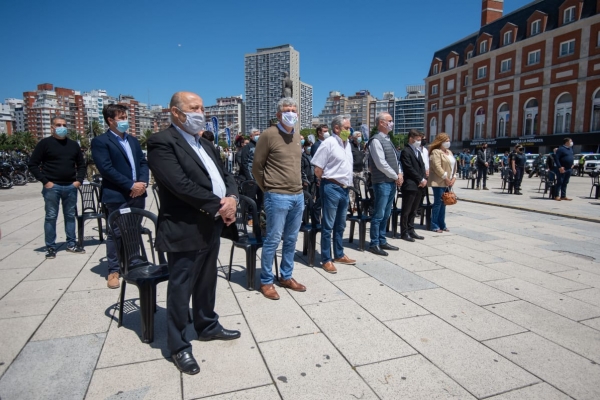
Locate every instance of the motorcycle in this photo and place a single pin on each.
(22, 168)
(6, 174)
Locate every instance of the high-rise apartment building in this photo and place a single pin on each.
(133, 113)
(336, 104)
(14, 107)
(357, 107)
(306, 105)
(94, 102)
(409, 111)
(230, 112)
(264, 71)
(6, 120)
(378, 106)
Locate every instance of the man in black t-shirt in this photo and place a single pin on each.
(63, 173)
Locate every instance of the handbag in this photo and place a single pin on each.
(449, 197)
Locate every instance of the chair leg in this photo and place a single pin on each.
(250, 267)
(276, 266)
(147, 290)
(362, 233)
(80, 223)
(394, 223)
(312, 248)
(121, 303)
(305, 241)
(100, 230)
(230, 262)
(428, 218)
(351, 238)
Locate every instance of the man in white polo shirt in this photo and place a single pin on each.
(333, 166)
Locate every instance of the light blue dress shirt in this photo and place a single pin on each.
(125, 145)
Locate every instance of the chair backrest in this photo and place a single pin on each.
(363, 188)
(249, 188)
(97, 178)
(131, 251)
(90, 198)
(595, 178)
(307, 214)
(155, 193)
(247, 208)
(359, 204)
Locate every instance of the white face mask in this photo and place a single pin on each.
(417, 143)
(326, 135)
(194, 122)
(446, 145)
(289, 118)
(390, 126)
(571, 144)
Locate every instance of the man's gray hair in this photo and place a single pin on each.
(254, 130)
(338, 120)
(57, 117)
(286, 102)
(380, 116)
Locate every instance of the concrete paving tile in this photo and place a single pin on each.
(471, 243)
(411, 262)
(60, 267)
(11, 278)
(585, 277)
(32, 298)
(157, 379)
(592, 323)
(467, 288)
(531, 261)
(360, 337)
(549, 281)
(310, 367)
(465, 253)
(576, 337)
(590, 296)
(473, 234)
(378, 299)
(418, 249)
(394, 276)
(265, 316)
(22, 258)
(318, 289)
(239, 360)
(268, 392)
(454, 353)
(539, 391)
(559, 367)
(414, 377)
(79, 313)
(14, 334)
(467, 268)
(53, 369)
(577, 262)
(548, 299)
(463, 315)
(345, 272)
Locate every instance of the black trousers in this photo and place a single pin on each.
(482, 170)
(192, 274)
(519, 178)
(411, 201)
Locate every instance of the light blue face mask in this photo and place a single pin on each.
(302, 142)
(307, 151)
(61, 131)
(358, 139)
(123, 126)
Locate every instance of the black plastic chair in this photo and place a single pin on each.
(550, 183)
(543, 174)
(357, 215)
(91, 208)
(310, 227)
(249, 188)
(366, 194)
(134, 265)
(507, 180)
(472, 176)
(155, 192)
(425, 210)
(97, 178)
(396, 212)
(595, 184)
(249, 241)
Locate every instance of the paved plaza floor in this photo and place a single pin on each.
(505, 306)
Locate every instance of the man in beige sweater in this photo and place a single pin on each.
(276, 168)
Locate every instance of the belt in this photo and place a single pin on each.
(336, 182)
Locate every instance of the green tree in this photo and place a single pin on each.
(308, 131)
(93, 130)
(21, 140)
(143, 138)
(82, 140)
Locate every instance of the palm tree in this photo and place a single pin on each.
(82, 140)
(144, 138)
(95, 130)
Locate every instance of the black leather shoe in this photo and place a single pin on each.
(387, 246)
(186, 363)
(224, 334)
(407, 237)
(415, 236)
(377, 250)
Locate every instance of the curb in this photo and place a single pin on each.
(531, 210)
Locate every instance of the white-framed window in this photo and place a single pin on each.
(596, 112)
(503, 118)
(567, 48)
(434, 89)
(481, 72)
(479, 123)
(536, 27)
(531, 118)
(563, 113)
(432, 129)
(508, 37)
(598, 40)
(483, 48)
(434, 107)
(451, 63)
(466, 82)
(449, 125)
(450, 84)
(534, 57)
(569, 15)
(435, 69)
(506, 65)
(470, 53)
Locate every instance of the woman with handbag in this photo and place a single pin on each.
(442, 168)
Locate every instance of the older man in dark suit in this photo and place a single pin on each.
(198, 201)
(414, 185)
(124, 169)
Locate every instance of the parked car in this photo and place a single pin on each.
(575, 169)
(591, 163)
(529, 159)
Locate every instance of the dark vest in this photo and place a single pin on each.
(390, 156)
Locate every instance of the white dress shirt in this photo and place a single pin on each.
(425, 155)
(379, 157)
(334, 157)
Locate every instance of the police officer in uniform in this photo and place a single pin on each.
(517, 165)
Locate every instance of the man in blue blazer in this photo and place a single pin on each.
(124, 169)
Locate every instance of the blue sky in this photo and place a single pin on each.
(151, 48)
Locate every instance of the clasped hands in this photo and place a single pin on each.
(138, 189)
(228, 210)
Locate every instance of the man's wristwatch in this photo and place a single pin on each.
(237, 201)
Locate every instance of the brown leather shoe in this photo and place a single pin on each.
(329, 267)
(566, 199)
(557, 198)
(113, 281)
(269, 291)
(345, 260)
(292, 284)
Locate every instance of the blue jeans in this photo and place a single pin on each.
(438, 210)
(335, 209)
(562, 180)
(52, 199)
(284, 217)
(384, 197)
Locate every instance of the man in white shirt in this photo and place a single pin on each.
(333, 166)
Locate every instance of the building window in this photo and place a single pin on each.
(508, 38)
(432, 129)
(562, 115)
(569, 15)
(451, 63)
(434, 89)
(503, 117)
(596, 112)
(481, 72)
(435, 69)
(466, 82)
(534, 57)
(567, 48)
(479, 123)
(598, 40)
(531, 118)
(535, 27)
(483, 47)
(506, 65)
(434, 107)
(450, 84)
(449, 125)
(470, 53)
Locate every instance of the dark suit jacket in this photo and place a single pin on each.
(186, 219)
(481, 159)
(113, 164)
(414, 169)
